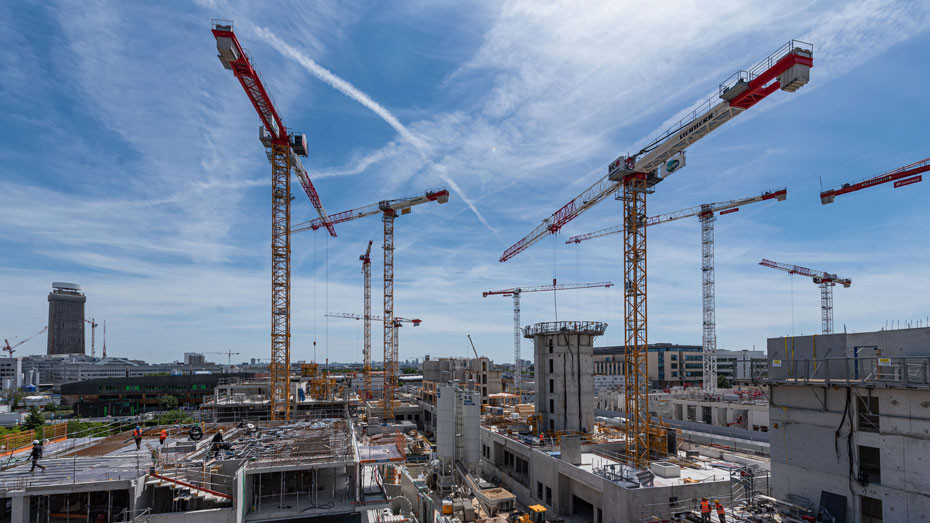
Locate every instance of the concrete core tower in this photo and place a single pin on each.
(564, 373)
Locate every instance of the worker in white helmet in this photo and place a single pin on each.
(36, 455)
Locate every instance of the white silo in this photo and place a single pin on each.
(445, 423)
(471, 428)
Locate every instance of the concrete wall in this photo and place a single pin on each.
(810, 438)
(565, 395)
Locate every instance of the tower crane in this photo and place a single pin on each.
(635, 176)
(398, 323)
(366, 352)
(9, 348)
(389, 210)
(706, 213)
(515, 293)
(229, 354)
(901, 177)
(824, 280)
(93, 330)
(284, 151)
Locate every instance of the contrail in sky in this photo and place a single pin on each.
(354, 93)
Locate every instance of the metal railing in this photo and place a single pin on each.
(595, 328)
(900, 372)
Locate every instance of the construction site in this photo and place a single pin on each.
(828, 427)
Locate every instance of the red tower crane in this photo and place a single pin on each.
(636, 175)
(901, 177)
(825, 280)
(93, 331)
(284, 151)
(515, 293)
(9, 348)
(389, 210)
(706, 213)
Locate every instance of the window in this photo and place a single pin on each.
(550, 346)
(551, 425)
(551, 386)
(548, 496)
(870, 462)
(871, 509)
(551, 405)
(539, 491)
(484, 366)
(550, 365)
(484, 379)
(868, 419)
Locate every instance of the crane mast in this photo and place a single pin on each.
(636, 175)
(824, 280)
(706, 214)
(515, 293)
(283, 151)
(389, 210)
(366, 356)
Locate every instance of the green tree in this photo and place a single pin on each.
(168, 402)
(35, 420)
(722, 382)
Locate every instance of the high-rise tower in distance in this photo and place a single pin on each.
(66, 319)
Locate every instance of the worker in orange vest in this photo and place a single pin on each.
(542, 439)
(705, 510)
(720, 511)
(162, 437)
(137, 435)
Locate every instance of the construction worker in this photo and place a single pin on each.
(163, 436)
(720, 512)
(137, 435)
(217, 443)
(705, 511)
(36, 455)
(542, 439)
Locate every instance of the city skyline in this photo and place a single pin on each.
(151, 191)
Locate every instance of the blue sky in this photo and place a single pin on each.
(129, 163)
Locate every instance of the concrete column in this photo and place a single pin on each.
(20, 512)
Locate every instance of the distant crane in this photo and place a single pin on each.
(389, 210)
(825, 280)
(398, 323)
(706, 213)
(93, 331)
(9, 348)
(515, 293)
(473, 349)
(104, 339)
(901, 177)
(284, 151)
(229, 354)
(636, 175)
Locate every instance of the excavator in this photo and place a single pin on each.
(537, 514)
